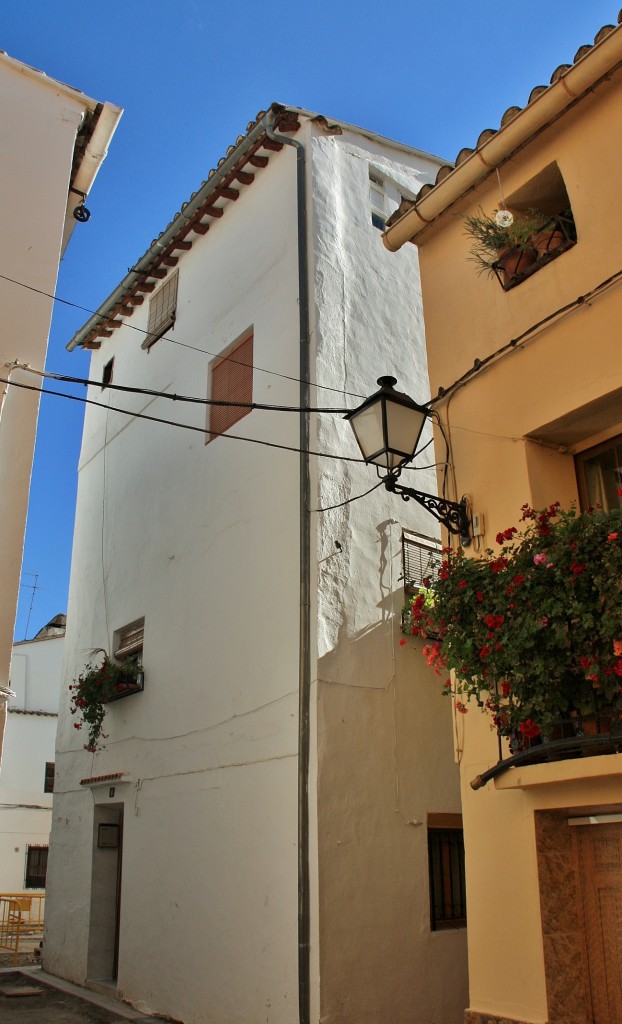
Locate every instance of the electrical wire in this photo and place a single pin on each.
(356, 497)
(200, 430)
(481, 364)
(165, 337)
(178, 398)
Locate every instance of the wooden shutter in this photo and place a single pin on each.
(600, 864)
(162, 308)
(232, 381)
(130, 640)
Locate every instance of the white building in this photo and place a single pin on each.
(54, 139)
(274, 786)
(27, 778)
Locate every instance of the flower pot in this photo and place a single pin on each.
(548, 241)
(512, 262)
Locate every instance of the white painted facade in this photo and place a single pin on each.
(203, 540)
(53, 138)
(29, 744)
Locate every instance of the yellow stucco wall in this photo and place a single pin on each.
(563, 366)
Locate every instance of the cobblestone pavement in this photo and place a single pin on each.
(29, 996)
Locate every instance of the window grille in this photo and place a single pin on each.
(231, 381)
(447, 879)
(162, 309)
(421, 560)
(36, 867)
(48, 782)
(129, 640)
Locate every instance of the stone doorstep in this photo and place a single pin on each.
(104, 1002)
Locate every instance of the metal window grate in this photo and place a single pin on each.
(162, 308)
(421, 559)
(232, 381)
(36, 867)
(48, 783)
(447, 880)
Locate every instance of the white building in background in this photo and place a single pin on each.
(27, 777)
(252, 842)
(54, 139)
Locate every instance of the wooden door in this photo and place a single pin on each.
(600, 866)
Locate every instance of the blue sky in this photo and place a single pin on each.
(190, 75)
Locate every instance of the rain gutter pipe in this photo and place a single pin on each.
(573, 85)
(304, 646)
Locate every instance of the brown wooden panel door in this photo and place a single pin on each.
(600, 863)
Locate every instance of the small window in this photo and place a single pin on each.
(231, 381)
(599, 472)
(36, 867)
(162, 310)
(48, 782)
(378, 201)
(128, 641)
(107, 374)
(446, 865)
(421, 559)
(546, 197)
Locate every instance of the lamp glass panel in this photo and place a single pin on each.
(367, 425)
(404, 426)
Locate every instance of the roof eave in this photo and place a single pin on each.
(563, 93)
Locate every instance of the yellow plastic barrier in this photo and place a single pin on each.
(21, 921)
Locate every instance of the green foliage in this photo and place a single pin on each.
(490, 239)
(533, 631)
(97, 685)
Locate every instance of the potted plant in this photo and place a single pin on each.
(99, 684)
(533, 630)
(503, 245)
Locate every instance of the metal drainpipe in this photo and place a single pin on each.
(304, 663)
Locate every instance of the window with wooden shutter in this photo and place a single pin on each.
(231, 381)
(129, 640)
(446, 866)
(162, 309)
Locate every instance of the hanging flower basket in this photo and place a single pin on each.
(532, 631)
(97, 686)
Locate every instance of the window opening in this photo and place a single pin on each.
(48, 782)
(107, 373)
(378, 201)
(544, 197)
(162, 311)
(447, 877)
(599, 474)
(231, 380)
(421, 559)
(128, 641)
(36, 867)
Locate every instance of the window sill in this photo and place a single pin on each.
(601, 766)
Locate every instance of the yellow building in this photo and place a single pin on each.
(535, 416)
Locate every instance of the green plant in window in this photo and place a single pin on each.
(533, 630)
(96, 686)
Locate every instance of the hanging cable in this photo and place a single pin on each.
(481, 364)
(356, 497)
(173, 397)
(165, 337)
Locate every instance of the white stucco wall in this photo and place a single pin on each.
(384, 739)
(203, 541)
(29, 742)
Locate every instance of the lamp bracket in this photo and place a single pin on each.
(453, 515)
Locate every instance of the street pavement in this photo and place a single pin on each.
(30, 996)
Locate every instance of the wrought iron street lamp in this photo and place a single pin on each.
(388, 426)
